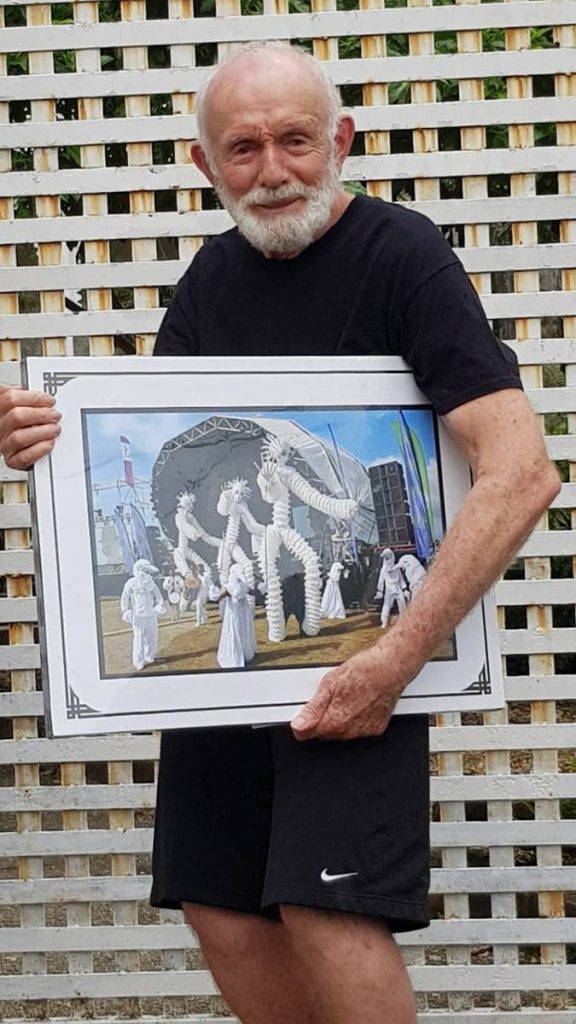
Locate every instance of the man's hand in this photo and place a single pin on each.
(29, 426)
(355, 699)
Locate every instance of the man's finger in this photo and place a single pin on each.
(19, 443)
(305, 722)
(13, 395)
(26, 457)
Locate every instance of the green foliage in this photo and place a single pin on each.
(542, 38)
(17, 64)
(493, 39)
(109, 10)
(251, 7)
(445, 42)
(545, 134)
(24, 207)
(15, 16)
(62, 14)
(447, 90)
(495, 89)
(399, 92)
(349, 47)
(64, 62)
(397, 45)
(357, 188)
(69, 158)
(22, 159)
(497, 136)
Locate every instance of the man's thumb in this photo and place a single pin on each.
(309, 716)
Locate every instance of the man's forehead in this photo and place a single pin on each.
(252, 85)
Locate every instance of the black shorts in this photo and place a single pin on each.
(248, 819)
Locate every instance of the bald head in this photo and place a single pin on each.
(256, 66)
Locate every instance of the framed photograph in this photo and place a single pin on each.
(213, 535)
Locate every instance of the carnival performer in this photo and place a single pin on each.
(332, 606)
(414, 573)
(141, 604)
(190, 531)
(202, 596)
(390, 586)
(173, 585)
(277, 481)
(233, 505)
(237, 643)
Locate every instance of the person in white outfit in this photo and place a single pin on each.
(202, 596)
(173, 585)
(390, 586)
(237, 637)
(141, 603)
(414, 573)
(332, 606)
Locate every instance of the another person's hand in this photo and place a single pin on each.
(29, 426)
(354, 699)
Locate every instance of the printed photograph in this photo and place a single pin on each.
(257, 538)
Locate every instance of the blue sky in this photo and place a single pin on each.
(367, 434)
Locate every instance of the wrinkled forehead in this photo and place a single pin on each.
(257, 87)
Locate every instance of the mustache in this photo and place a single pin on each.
(261, 196)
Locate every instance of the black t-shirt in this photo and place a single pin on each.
(381, 281)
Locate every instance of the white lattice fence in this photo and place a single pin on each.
(465, 111)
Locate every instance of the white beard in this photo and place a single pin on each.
(285, 233)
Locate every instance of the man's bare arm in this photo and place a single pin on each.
(514, 483)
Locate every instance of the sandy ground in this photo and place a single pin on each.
(183, 647)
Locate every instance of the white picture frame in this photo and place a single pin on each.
(186, 424)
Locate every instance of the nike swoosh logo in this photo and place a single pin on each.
(336, 878)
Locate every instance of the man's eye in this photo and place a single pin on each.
(241, 148)
(295, 142)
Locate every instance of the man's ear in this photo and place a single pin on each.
(201, 161)
(344, 137)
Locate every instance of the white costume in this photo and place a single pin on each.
(390, 585)
(332, 606)
(414, 572)
(237, 638)
(201, 598)
(186, 558)
(277, 480)
(173, 585)
(141, 603)
(232, 504)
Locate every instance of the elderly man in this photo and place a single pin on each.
(294, 858)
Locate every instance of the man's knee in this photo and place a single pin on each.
(224, 932)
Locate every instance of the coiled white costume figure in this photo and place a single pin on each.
(190, 530)
(277, 480)
(390, 585)
(233, 504)
(141, 603)
(332, 606)
(414, 572)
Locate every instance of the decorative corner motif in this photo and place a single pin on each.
(482, 685)
(53, 381)
(75, 709)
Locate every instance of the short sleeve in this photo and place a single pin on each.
(178, 333)
(446, 339)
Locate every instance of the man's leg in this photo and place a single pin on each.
(254, 965)
(353, 965)
(314, 967)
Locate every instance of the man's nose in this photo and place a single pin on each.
(273, 172)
